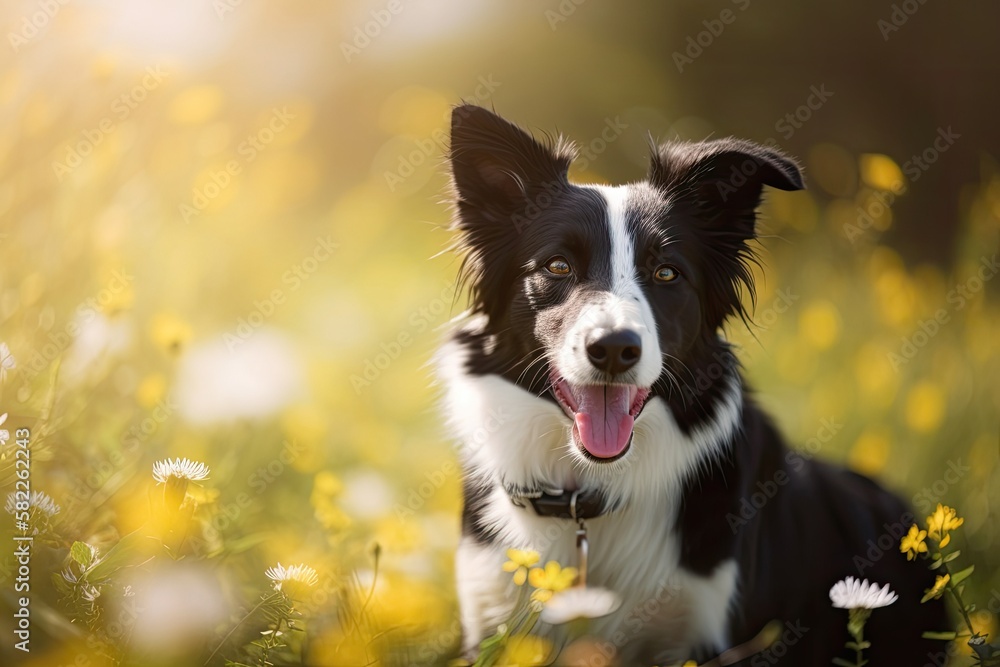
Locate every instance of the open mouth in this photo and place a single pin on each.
(603, 415)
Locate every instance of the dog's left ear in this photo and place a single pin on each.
(720, 184)
(724, 178)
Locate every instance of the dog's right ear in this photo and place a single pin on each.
(496, 166)
(498, 170)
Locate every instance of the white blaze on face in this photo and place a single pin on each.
(623, 307)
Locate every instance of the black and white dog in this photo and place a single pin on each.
(572, 381)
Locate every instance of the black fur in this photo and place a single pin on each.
(516, 207)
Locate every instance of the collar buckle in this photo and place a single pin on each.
(575, 505)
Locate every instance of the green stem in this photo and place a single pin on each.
(271, 642)
(518, 614)
(856, 628)
(958, 599)
(263, 601)
(529, 624)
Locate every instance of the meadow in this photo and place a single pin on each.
(218, 305)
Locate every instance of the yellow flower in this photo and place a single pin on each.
(913, 543)
(938, 590)
(169, 332)
(552, 579)
(520, 561)
(941, 522)
(528, 651)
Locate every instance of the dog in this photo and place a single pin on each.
(589, 381)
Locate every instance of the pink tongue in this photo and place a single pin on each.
(603, 422)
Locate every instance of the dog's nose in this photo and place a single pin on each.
(614, 352)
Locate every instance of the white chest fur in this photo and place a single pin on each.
(508, 435)
(666, 612)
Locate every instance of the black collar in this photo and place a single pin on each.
(574, 505)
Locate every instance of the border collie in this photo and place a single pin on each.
(589, 380)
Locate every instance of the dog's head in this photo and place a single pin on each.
(597, 297)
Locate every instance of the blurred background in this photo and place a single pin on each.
(220, 227)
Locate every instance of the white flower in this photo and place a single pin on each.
(180, 469)
(4, 433)
(7, 361)
(578, 602)
(853, 594)
(231, 378)
(98, 342)
(36, 501)
(300, 573)
(175, 608)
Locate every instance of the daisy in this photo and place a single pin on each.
(176, 475)
(302, 574)
(519, 562)
(580, 602)
(853, 594)
(38, 501)
(179, 469)
(860, 598)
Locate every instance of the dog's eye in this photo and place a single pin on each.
(666, 274)
(558, 266)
